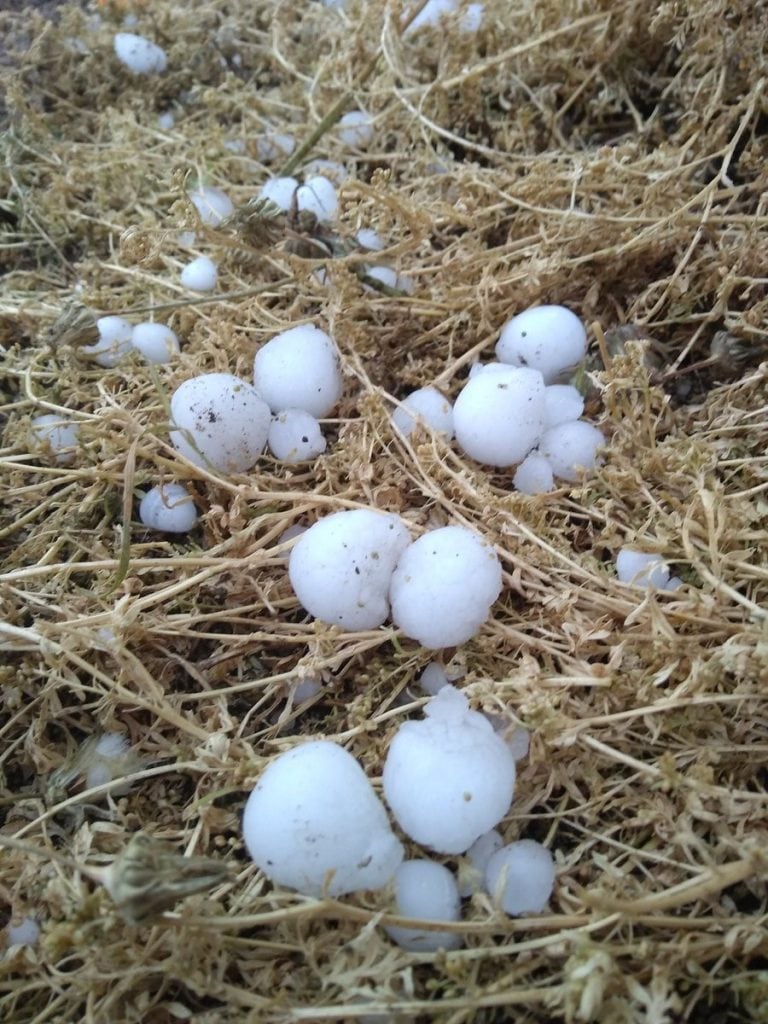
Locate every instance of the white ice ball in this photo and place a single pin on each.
(356, 129)
(331, 169)
(107, 760)
(318, 196)
(341, 568)
(520, 877)
(642, 569)
(114, 341)
(563, 403)
(444, 585)
(275, 146)
(571, 448)
(427, 405)
(156, 342)
(295, 436)
(433, 679)
(166, 120)
(499, 415)
(168, 507)
(534, 475)
(221, 422)
(200, 275)
(25, 933)
(389, 278)
(212, 205)
(280, 191)
(449, 778)
(427, 891)
(59, 433)
(313, 823)
(138, 54)
(550, 339)
(478, 855)
(299, 369)
(431, 14)
(370, 239)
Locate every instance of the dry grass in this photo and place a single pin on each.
(613, 160)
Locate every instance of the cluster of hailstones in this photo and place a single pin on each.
(314, 823)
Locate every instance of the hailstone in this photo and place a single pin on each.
(499, 415)
(427, 891)
(299, 369)
(520, 877)
(550, 339)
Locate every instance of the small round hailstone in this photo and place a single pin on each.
(427, 405)
(212, 205)
(550, 339)
(370, 239)
(571, 448)
(280, 191)
(520, 877)
(443, 587)
(313, 823)
(674, 583)
(389, 278)
(200, 275)
(295, 436)
(274, 146)
(24, 933)
(472, 18)
(433, 679)
(563, 403)
(114, 341)
(318, 196)
(107, 760)
(166, 120)
(341, 568)
(168, 507)
(156, 342)
(499, 416)
(356, 129)
(449, 778)
(642, 568)
(221, 422)
(139, 55)
(534, 475)
(431, 14)
(427, 891)
(478, 855)
(299, 369)
(305, 689)
(59, 433)
(331, 169)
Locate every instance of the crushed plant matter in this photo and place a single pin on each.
(608, 158)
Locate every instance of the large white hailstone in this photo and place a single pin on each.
(114, 341)
(478, 855)
(571, 448)
(156, 342)
(550, 339)
(642, 569)
(221, 422)
(299, 369)
(295, 436)
(449, 778)
(443, 587)
(356, 129)
(200, 275)
(520, 877)
(427, 891)
(138, 54)
(212, 205)
(534, 475)
(59, 433)
(168, 507)
(318, 196)
(427, 405)
(313, 823)
(563, 403)
(341, 568)
(499, 416)
(280, 191)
